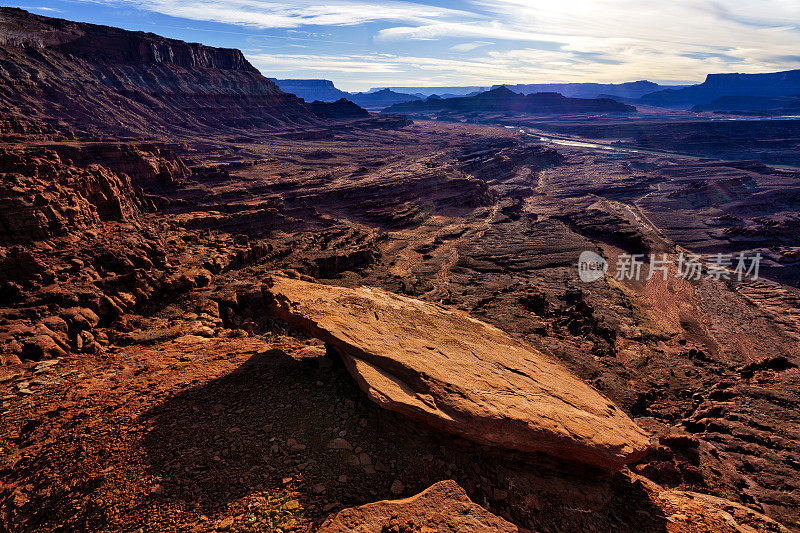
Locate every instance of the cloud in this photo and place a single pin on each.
(469, 47)
(617, 40)
(41, 8)
(484, 41)
(432, 68)
(761, 13)
(518, 66)
(708, 55)
(469, 29)
(293, 14)
(671, 25)
(277, 63)
(787, 58)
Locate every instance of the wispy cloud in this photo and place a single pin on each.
(41, 8)
(294, 14)
(278, 63)
(470, 29)
(485, 41)
(626, 39)
(469, 47)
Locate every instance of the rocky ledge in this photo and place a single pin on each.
(444, 507)
(458, 374)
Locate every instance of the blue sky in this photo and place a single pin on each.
(363, 43)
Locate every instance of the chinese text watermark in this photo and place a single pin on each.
(688, 266)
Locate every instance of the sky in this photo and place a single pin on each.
(360, 44)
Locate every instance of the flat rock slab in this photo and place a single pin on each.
(445, 368)
(442, 508)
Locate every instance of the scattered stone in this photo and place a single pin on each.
(43, 366)
(297, 448)
(225, 524)
(499, 495)
(397, 487)
(339, 444)
(191, 339)
(202, 331)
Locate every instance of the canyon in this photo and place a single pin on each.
(224, 308)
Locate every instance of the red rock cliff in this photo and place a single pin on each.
(65, 79)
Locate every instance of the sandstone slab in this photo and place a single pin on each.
(444, 508)
(443, 367)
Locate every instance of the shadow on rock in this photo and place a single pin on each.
(277, 429)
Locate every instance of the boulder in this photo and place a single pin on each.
(40, 347)
(445, 368)
(444, 507)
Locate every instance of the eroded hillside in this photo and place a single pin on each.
(298, 318)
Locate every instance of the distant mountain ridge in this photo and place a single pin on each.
(633, 89)
(424, 92)
(378, 98)
(325, 91)
(311, 89)
(503, 99)
(785, 83)
(381, 99)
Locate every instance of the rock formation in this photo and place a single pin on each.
(62, 79)
(444, 92)
(687, 511)
(444, 508)
(504, 100)
(310, 90)
(785, 83)
(459, 374)
(51, 190)
(633, 89)
(381, 99)
(324, 91)
(341, 109)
